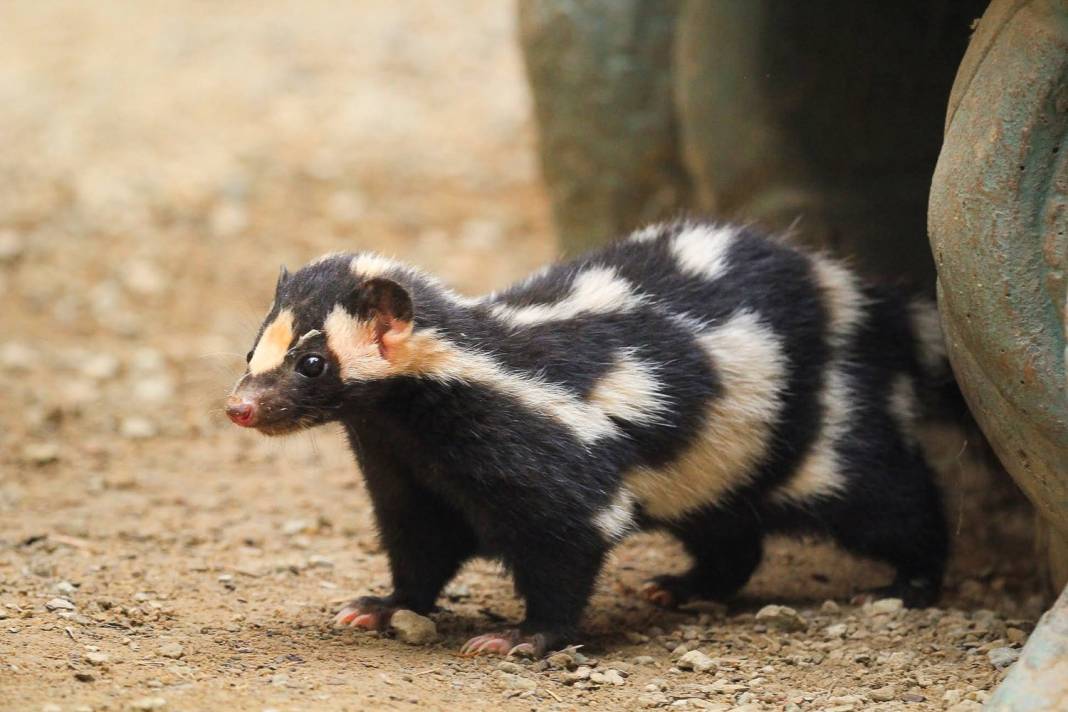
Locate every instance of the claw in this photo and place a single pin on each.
(345, 615)
(367, 621)
(364, 613)
(501, 644)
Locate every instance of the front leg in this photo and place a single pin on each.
(425, 539)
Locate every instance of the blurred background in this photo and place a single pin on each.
(160, 160)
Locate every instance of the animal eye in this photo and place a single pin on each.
(311, 366)
(248, 357)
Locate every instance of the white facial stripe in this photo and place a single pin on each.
(615, 520)
(749, 359)
(353, 343)
(630, 390)
(598, 290)
(271, 349)
(821, 473)
(930, 340)
(842, 295)
(701, 250)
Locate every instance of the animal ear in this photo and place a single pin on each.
(283, 277)
(388, 306)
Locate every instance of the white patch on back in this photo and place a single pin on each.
(904, 407)
(647, 233)
(749, 360)
(369, 265)
(844, 300)
(597, 290)
(271, 349)
(930, 341)
(701, 250)
(821, 473)
(617, 519)
(629, 390)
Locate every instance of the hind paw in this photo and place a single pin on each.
(658, 594)
(507, 643)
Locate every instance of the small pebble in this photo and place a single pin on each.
(782, 617)
(135, 427)
(510, 667)
(838, 630)
(697, 661)
(65, 588)
(171, 650)
(1002, 658)
(320, 562)
(59, 604)
(561, 661)
(883, 694)
(1016, 635)
(95, 658)
(885, 606)
(966, 706)
(40, 453)
(148, 703)
(413, 629)
(516, 682)
(912, 697)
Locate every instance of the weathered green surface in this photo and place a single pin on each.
(999, 232)
(785, 115)
(601, 75)
(1038, 681)
(758, 110)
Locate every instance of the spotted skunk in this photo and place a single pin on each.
(700, 379)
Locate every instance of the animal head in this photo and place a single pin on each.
(340, 322)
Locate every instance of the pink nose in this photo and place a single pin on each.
(242, 412)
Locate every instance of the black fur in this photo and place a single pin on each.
(458, 469)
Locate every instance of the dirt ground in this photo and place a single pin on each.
(158, 161)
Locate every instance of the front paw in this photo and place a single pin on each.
(367, 612)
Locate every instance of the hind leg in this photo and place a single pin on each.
(726, 548)
(898, 518)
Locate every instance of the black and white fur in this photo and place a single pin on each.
(696, 378)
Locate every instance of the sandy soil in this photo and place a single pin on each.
(158, 161)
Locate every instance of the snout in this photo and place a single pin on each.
(241, 410)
